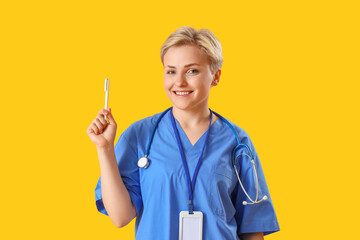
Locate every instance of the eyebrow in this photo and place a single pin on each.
(188, 65)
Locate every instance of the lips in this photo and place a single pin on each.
(182, 93)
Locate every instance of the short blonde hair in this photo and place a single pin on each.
(202, 38)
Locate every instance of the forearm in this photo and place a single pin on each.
(115, 196)
(252, 236)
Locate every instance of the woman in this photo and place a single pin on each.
(189, 140)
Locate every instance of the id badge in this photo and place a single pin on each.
(190, 225)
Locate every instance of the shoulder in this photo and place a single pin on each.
(138, 133)
(244, 138)
(142, 127)
(233, 127)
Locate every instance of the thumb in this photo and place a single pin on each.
(110, 117)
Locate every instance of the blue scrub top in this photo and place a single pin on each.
(160, 192)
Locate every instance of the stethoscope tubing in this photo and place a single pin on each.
(239, 145)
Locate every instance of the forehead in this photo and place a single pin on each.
(182, 55)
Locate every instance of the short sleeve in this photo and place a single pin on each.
(126, 158)
(259, 217)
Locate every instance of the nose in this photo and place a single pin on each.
(180, 80)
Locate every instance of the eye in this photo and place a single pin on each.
(170, 72)
(193, 71)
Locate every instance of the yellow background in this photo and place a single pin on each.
(290, 79)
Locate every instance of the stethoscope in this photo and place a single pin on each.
(144, 161)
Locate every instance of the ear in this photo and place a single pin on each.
(216, 78)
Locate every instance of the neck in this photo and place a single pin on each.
(193, 117)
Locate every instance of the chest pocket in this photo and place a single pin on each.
(223, 181)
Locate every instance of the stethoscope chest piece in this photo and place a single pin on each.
(143, 162)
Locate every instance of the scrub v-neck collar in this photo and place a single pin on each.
(186, 144)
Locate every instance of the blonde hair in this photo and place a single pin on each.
(202, 38)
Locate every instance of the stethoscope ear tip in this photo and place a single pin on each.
(246, 203)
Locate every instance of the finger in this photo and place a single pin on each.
(111, 118)
(99, 125)
(95, 128)
(90, 130)
(104, 112)
(102, 119)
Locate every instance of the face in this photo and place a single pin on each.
(187, 77)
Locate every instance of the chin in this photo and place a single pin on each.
(183, 107)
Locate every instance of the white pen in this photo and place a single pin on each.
(106, 93)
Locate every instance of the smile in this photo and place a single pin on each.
(182, 93)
